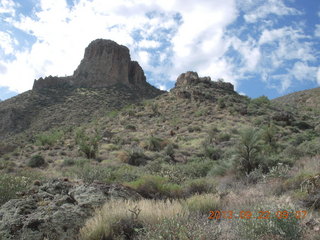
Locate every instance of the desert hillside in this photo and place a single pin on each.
(102, 154)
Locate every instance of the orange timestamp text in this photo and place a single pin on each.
(257, 214)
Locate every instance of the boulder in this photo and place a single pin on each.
(57, 209)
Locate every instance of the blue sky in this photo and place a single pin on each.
(263, 47)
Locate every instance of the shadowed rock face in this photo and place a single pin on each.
(105, 63)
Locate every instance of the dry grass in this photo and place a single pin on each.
(115, 211)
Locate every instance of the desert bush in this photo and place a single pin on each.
(255, 176)
(10, 185)
(68, 162)
(88, 143)
(88, 173)
(280, 171)
(223, 137)
(293, 152)
(112, 114)
(268, 135)
(220, 167)
(6, 148)
(156, 187)
(194, 129)
(199, 186)
(131, 127)
(135, 157)
(36, 161)
(172, 172)
(169, 150)
(49, 138)
(310, 148)
(248, 150)
(202, 204)
(196, 168)
(156, 144)
(211, 152)
(221, 103)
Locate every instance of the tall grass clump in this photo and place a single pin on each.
(123, 219)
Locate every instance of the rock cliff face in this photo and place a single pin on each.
(105, 63)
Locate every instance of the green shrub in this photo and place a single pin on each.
(156, 187)
(196, 168)
(131, 127)
(220, 167)
(248, 149)
(156, 144)
(212, 152)
(263, 100)
(223, 137)
(10, 185)
(136, 157)
(88, 173)
(194, 129)
(69, 162)
(199, 186)
(112, 114)
(310, 148)
(36, 161)
(88, 143)
(49, 138)
(221, 103)
(203, 204)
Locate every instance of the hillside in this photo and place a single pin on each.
(305, 103)
(172, 156)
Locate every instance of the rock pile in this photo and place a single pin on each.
(189, 85)
(56, 210)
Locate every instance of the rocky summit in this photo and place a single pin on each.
(105, 63)
(106, 79)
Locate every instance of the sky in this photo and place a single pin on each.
(263, 47)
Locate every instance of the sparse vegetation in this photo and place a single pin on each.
(88, 144)
(36, 161)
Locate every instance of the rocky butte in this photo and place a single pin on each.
(105, 64)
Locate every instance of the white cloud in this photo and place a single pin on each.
(317, 30)
(149, 44)
(318, 76)
(8, 7)
(143, 57)
(7, 43)
(302, 71)
(276, 7)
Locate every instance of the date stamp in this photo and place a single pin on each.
(215, 215)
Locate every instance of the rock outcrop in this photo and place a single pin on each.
(105, 63)
(56, 210)
(190, 86)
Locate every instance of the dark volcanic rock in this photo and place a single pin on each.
(105, 63)
(190, 86)
(185, 80)
(56, 210)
